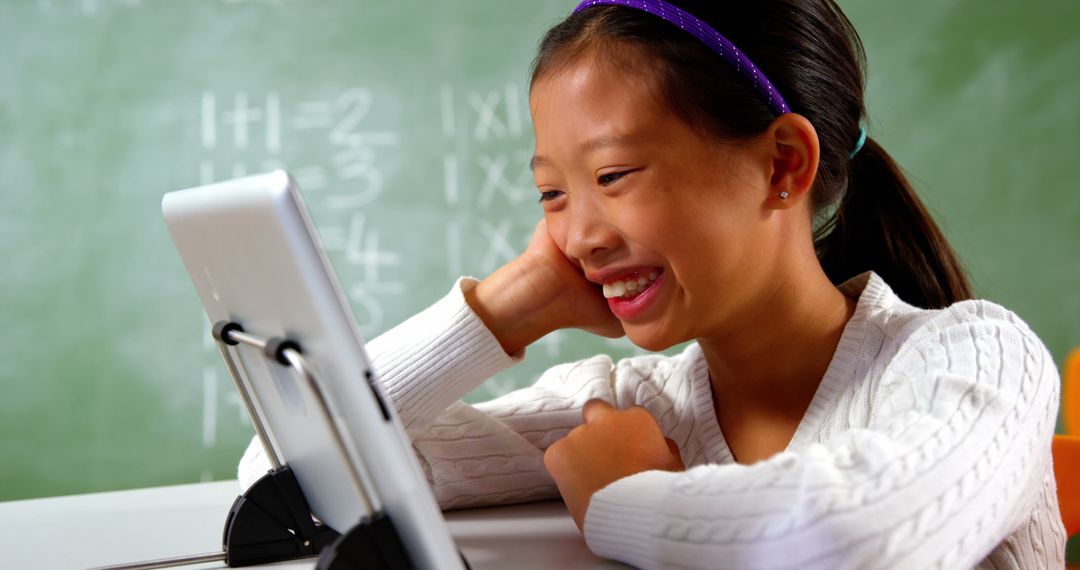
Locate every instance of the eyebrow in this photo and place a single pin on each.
(586, 147)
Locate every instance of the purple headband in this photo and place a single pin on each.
(711, 37)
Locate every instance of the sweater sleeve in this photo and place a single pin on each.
(952, 462)
(491, 453)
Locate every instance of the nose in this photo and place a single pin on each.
(590, 236)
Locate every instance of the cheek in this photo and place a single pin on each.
(650, 222)
(653, 232)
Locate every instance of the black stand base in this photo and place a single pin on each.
(373, 543)
(271, 522)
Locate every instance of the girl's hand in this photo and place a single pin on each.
(538, 292)
(610, 445)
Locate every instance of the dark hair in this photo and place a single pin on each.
(868, 215)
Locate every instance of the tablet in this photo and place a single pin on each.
(251, 251)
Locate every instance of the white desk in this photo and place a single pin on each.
(81, 531)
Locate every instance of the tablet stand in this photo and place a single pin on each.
(272, 521)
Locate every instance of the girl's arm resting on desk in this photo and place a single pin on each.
(954, 462)
(491, 453)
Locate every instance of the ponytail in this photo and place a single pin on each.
(880, 225)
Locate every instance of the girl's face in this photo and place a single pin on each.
(672, 223)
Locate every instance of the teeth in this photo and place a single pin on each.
(630, 286)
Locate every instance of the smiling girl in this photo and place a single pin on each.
(704, 177)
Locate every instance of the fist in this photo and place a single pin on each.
(610, 445)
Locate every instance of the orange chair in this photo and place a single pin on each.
(1066, 449)
(1070, 393)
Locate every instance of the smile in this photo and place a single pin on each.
(630, 297)
(631, 286)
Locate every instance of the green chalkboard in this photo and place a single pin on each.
(406, 124)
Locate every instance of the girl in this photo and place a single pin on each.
(704, 176)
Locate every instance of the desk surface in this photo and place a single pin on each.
(82, 531)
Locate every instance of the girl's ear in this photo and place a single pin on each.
(794, 153)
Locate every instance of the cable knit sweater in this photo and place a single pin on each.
(927, 444)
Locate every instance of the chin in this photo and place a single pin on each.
(650, 340)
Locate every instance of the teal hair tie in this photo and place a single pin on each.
(858, 145)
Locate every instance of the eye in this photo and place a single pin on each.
(549, 195)
(610, 178)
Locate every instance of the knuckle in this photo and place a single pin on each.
(551, 455)
(639, 413)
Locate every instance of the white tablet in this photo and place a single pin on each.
(252, 252)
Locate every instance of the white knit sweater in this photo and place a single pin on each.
(927, 444)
